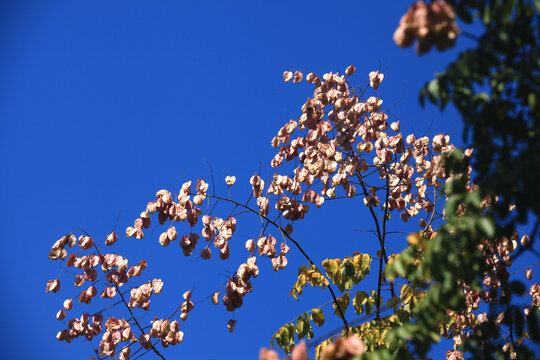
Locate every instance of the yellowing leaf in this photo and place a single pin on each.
(318, 317)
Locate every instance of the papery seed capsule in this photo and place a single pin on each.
(111, 238)
(231, 325)
(288, 229)
(287, 76)
(68, 304)
(61, 315)
(164, 239)
(230, 180)
(250, 245)
(53, 285)
(206, 253)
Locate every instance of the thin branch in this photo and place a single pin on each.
(382, 240)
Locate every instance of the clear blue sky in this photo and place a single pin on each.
(104, 103)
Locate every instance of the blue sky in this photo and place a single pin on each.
(104, 103)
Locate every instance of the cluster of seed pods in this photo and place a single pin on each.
(342, 140)
(433, 24)
(87, 326)
(116, 273)
(498, 258)
(116, 331)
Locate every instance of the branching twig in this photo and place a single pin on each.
(129, 309)
(342, 315)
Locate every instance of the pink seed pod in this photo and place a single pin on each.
(528, 274)
(231, 324)
(287, 76)
(215, 298)
(288, 229)
(108, 293)
(279, 262)
(354, 345)
(350, 70)
(61, 315)
(53, 285)
(71, 260)
(68, 304)
(79, 280)
(145, 341)
(250, 245)
(171, 233)
(187, 295)
(90, 275)
(224, 252)
(157, 285)
(300, 351)
(86, 242)
(230, 180)
(124, 355)
(375, 79)
(164, 239)
(206, 253)
(111, 238)
(62, 335)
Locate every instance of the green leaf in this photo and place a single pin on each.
(358, 302)
(474, 198)
(343, 302)
(531, 99)
(300, 326)
(331, 267)
(393, 302)
(348, 269)
(486, 15)
(399, 267)
(486, 225)
(369, 307)
(318, 317)
(433, 88)
(282, 337)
